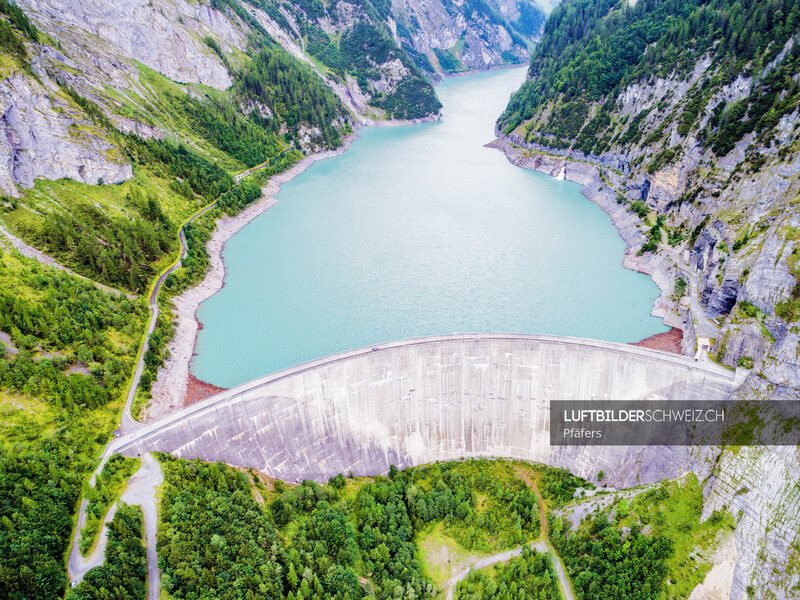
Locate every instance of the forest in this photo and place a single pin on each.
(73, 343)
(605, 563)
(40, 483)
(591, 50)
(292, 92)
(346, 539)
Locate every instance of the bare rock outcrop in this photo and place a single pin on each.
(165, 35)
(43, 135)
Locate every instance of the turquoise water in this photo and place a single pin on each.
(417, 231)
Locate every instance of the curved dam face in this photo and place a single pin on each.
(442, 398)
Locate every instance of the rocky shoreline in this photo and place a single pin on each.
(170, 391)
(662, 270)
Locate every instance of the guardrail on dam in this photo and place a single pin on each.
(418, 401)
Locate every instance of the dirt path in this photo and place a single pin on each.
(563, 580)
(541, 545)
(140, 491)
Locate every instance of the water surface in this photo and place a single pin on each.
(415, 231)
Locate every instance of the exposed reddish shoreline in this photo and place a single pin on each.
(197, 390)
(171, 389)
(669, 341)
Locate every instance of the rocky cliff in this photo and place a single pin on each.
(710, 145)
(375, 57)
(683, 122)
(459, 36)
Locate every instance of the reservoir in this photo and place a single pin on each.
(415, 231)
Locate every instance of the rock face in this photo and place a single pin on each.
(758, 485)
(43, 135)
(165, 35)
(477, 39)
(101, 49)
(735, 218)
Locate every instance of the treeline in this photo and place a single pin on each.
(364, 47)
(590, 51)
(251, 141)
(120, 251)
(606, 564)
(204, 177)
(157, 351)
(775, 95)
(531, 19)
(115, 250)
(359, 52)
(46, 379)
(123, 574)
(19, 19)
(11, 43)
(509, 514)
(558, 484)
(336, 542)
(411, 99)
(530, 576)
(195, 264)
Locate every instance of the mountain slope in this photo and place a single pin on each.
(682, 119)
(118, 120)
(696, 105)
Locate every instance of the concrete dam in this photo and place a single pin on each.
(442, 398)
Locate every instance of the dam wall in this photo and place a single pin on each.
(419, 401)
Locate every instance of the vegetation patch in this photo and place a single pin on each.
(530, 576)
(108, 487)
(123, 575)
(76, 342)
(650, 544)
(347, 539)
(443, 558)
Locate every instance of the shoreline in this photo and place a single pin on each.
(660, 270)
(170, 389)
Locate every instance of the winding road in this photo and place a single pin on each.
(141, 487)
(128, 423)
